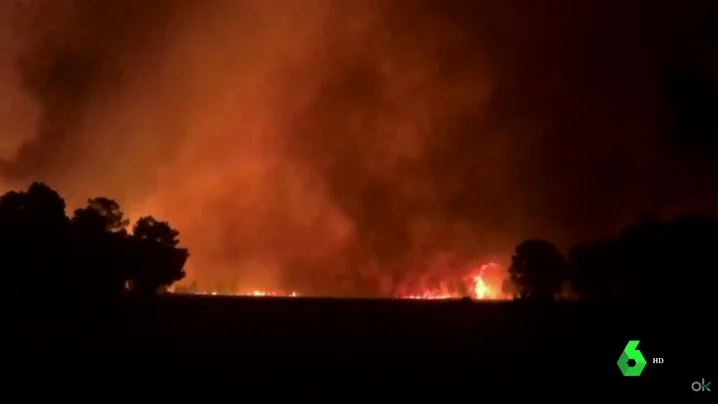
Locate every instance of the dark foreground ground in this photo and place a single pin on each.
(368, 349)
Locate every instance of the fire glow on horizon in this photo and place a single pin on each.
(473, 286)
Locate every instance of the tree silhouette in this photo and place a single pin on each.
(43, 253)
(537, 270)
(33, 229)
(100, 248)
(102, 213)
(650, 260)
(159, 262)
(149, 229)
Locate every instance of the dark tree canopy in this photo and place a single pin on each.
(159, 262)
(537, 269)
(103, 213)
(152, 230)
(44, 253)
(593, 270)
(651, 260)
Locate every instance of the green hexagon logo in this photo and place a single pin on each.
(630, 352)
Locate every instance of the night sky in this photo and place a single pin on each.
(294, 141)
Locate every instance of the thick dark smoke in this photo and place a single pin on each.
(337, 145)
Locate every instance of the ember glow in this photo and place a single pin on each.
(253, 293)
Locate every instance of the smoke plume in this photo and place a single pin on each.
(335, 146)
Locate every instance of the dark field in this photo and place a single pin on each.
(520, 350)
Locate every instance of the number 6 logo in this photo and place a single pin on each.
(630, 352)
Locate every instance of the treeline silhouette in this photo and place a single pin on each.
(651, 260)
(44, 253)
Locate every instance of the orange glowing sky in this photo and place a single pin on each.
(318, 142)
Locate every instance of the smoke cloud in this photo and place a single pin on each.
(335, 146)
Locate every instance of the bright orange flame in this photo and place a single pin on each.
(260, 293)
(479, 291)
(475, 286)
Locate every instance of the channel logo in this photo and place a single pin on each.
(630, 353)
(701, 386)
